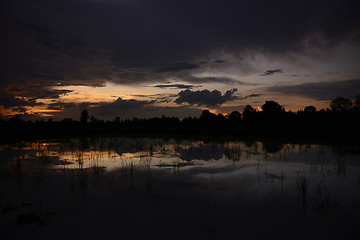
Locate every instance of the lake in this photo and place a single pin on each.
(102, 188)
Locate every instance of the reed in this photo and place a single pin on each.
(302, 185)
(322, 198)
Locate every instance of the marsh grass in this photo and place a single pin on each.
(72, 182)
(258, 170)
(322, 162)
(302, 185)
(123, 170)
(323, 202)
(111, 184)
(163, 150)
(80, 159)
(235, 152)
(44, 156)
(83, 180)
(149, 183)
(97, 173)
(341, 168)
(208, 226)
(282, 177)
(18, 163)
(356, 203)
(132, 166)
(176, 149)
(145, 158)
(151, 150)
(176, 168)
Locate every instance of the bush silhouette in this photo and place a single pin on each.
(341, 104)
(272, 107)
(310, 109)
(234, 116)
(84, 116)
(357, 103)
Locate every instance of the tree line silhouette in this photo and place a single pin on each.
(341, 120)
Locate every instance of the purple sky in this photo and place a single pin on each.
(148, 58)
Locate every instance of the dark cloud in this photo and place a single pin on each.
(27, 95)
(271, 72)
(61, 106)
(321, 90)
(24, 114)
(298, 75)
(251, 96)
(125, 109)
(8, 101)
(53, 93)
(102, 110)
(80, 39)
(33, 27)
(39, 92)
(120, 107)
(205, 97)
(199, 80)
(123, 105)
(66, 84)
(157, 97)
(179, 86)
(177, 67)
(134, 76)
(21, 110)
(87, 43)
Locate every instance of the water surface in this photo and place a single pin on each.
(138, 187)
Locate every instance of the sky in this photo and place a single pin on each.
(148, 58)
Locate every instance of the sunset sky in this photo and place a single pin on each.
(148, 58)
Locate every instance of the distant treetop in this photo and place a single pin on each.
(310, 109)
(341, 104)
(272, 107)
(84, 116)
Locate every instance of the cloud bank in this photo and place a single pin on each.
(327, 90)
(205, 97)
(46, 44)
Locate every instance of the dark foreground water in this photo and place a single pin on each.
(127, 188)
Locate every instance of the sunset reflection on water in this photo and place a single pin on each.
(219, 185)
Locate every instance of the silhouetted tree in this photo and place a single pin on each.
(234, 116)
(93, 119)
(221, 117)
(67, 120)
(248, 108)
(117, 120)
(249, 113)
(357, 103)
(341, 104)
(272, 107)
(206, 115)
(84, 116)
(310, 109)
(15, 119)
